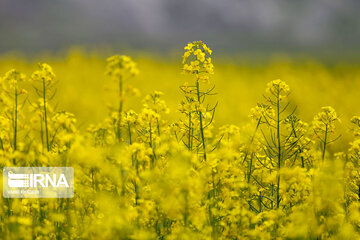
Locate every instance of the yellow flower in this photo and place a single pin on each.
(278, 88)
(121, 66)
(45, 73)
(325, 120)
(13, 77)
(196, 59)
(355, 125)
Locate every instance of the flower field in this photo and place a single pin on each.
(195, 147)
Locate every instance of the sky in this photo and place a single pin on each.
(162, 25)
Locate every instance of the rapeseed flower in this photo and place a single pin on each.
(143, 173)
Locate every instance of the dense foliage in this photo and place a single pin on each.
(139, 175)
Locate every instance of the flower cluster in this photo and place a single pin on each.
(278, 88)
(325, 120)
(355, 125)
(197, 60)
(45, 73)
(14, 77)
(143, 172)
(121, 66)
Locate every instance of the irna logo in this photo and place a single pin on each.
(38, 182)
(33, 180)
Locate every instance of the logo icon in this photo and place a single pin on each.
(38, 182)
(18, 180)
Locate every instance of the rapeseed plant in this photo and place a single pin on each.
(45, 78)
(197, 62)
(324, 125)
(121, 68)
(142, 174)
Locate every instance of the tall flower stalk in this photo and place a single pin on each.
(324, 126)
(278, 91)
(13, 79)
(120, 68)
(278, 147)
(46, 78)
(197, 63)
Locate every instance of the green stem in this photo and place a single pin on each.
(152, 145)
(158, 126)
(1, 144)
(129, 129)
(300, 150)
(247, 151)
(201, 120)
(93, 178)
(325, 142)
(250, 167)
(136, 187)
(189, 144)
(42, 134)
(150, 135)
(279, 148)
(45, 116)
(260, 202)
(121, 106)
(15, 118)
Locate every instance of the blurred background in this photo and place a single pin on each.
(230, 26)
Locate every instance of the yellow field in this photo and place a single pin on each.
(82, 85)
(177, 165)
